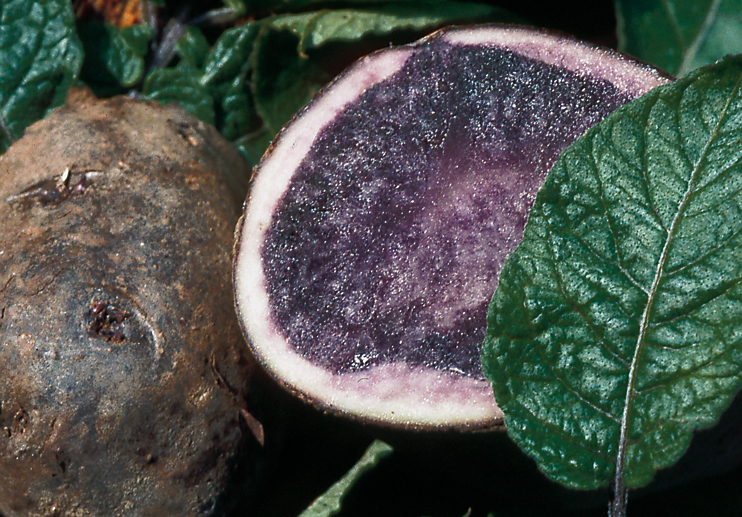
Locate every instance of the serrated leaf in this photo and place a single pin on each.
(679, 35)
(180, 85)
(113, 56)
(616, 328)
(329, 503)
(41, 57)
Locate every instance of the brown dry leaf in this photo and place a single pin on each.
(121, 13)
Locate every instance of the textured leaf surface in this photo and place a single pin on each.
(680, 35)
(230, 54)
(192, 48)
(616, 329)
(41, 56)
(182, 86)
(329, 503)
(349, 25)
(114, 56)
(282, 81)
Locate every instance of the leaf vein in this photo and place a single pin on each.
(573, 391)
(623, 439)
(565, 436)
(578, 310)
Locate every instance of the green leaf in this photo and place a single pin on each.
(236, 6)
(41, 57)
(137, 38)
(180, 85)
(113, 56)
(299, 5)
(230, 54)
(192, 47)
(237, 109)
(254, 144)
(282, 81)
(329, 503)
(679, 35)
(616, 328)
(349, 25)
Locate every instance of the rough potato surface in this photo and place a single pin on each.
(124, 372)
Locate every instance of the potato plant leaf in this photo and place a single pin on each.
(41, 56)
(180, 85)
(348, 25)
(616, 328)
(236, 108)
(114, 58)
(679, 35)
(282, 81)
(329, 503)
(230, 53)
(193, 47)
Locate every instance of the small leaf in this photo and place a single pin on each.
(329, 503)
(192, 47)
(137, 37)
(237, 109)
(113, 56)
(230, 54)
(616, 329)
(679, 35)
(41, 57)
(296, 23)
(180, 85)
(282, 81)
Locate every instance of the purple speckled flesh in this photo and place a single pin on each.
(388, 243)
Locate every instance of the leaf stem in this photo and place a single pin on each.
(620, 498)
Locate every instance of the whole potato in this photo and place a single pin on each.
(124, 373)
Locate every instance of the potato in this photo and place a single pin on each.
(124, 370)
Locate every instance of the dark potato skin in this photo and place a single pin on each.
(124, 372)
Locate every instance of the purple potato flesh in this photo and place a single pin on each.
(379, 221)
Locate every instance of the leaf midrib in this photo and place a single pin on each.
(644, 325)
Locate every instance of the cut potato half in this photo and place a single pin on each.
(379, 219)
